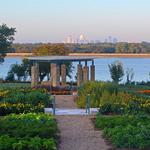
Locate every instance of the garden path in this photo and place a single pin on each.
(77, 132)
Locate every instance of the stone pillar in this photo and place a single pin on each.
(79, 74)
(34, 75)
(85, 73)
(63, 74)
(92, 68)
(55, 74)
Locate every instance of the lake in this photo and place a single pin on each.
(141, 67)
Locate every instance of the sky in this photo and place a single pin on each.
(53, 20)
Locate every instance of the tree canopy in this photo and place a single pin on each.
(119, 47)
(6, 39)
(51, 49)
(116, 71)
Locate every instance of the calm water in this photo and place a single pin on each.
(141, 67)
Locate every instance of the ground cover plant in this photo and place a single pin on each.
(28, 131)
(126, 131)
(23, 100)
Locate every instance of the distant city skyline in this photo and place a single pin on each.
(82, 39)
(53, 20)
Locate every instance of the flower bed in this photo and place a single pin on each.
(145, 92)
(8, 108)
(112, 98)
(58, 90)
(127, 131)
(28, 131)
(23, 101)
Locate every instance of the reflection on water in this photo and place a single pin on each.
(141, 67)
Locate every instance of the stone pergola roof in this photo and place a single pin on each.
(59, 58)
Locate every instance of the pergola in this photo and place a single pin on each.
(58, 69)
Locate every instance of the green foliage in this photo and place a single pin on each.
(28, 131)
(129, 75)
(119, 47)
(15, 85)
(95, 89)
(51, 49)
(9, 108)
(23, 101)
(33, 97)
(6, 39)
(29, 125)
(113, 98)
(127, 131)
(21, 71)
(35, 143)
(116, 71)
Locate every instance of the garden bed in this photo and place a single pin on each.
(28, 132)
(23, 100)
(127, 131)
(112, 98)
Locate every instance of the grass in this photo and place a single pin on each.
(14, 85)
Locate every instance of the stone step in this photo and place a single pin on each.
(67, 111)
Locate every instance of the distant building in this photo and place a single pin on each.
(69, 39)
(82, 39)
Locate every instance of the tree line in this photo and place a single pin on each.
(120, 47)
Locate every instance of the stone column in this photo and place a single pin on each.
(63, 74)
(85, 73)
(55, 74)
(79, 74)
(34, 75)
(92, 68)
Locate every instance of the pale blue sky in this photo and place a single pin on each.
(53, 20)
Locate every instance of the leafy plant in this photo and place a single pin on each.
(116, 71)
(28, 131)
(127, 131)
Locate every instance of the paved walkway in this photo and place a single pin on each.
(65, 101)
(77, 131)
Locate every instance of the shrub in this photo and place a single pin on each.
(127, 131)
(35, 143)
(8, 108)
(26, 97)
(112, 98)
(116, 71)
(28, 125)
(95, 89)
(28, 131)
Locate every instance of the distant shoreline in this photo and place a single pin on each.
(117, 55)
(18, 54)
(97, 55)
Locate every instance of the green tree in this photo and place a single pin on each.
(129, 75)
(21, 71)
(6, 39)
(51, 49)
(116, 71)
(122, 47)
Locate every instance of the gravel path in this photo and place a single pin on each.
(77, 131)
(65, 101)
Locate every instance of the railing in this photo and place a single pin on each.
(53, 104)
(88, 104)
